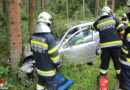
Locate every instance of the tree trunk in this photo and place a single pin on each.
(24, 6)
(42, 4)
(83, 9)
(113, 5)
(1, 7)
(27, 3)
(36, 4)
(67, 11)
(5, 12)
(96, 8)
(15, 34)
(105, 2)
(31, 15)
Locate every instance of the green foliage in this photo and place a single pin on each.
(1, 16)
(58, 26)
(119, 12)
(122, 10)
(4, 71)
(4, 44)
(24, 15)
(25, 32)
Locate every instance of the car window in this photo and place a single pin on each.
(70, 33)
(87, 35)
(76, 40)
(85, 27)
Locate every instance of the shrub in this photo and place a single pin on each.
(24, 16)
(4, 43)
(121, 10)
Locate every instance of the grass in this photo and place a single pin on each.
(84, 77)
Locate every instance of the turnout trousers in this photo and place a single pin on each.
(48, 81)
(107, 54)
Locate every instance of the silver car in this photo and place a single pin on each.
(79, 44)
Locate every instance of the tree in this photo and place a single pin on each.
(67, 11)
(31, 15)
(83, 9)
(15, 33)
(42, 4)
(26, 5)
(36, 4)
(5, 11)
(105, 2)
(96, 8)
(113, 5)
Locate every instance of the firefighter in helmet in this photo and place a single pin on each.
(109, 28)
(45, 50)
(124, 20)
(125, 57)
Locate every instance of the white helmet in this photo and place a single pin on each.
(124, 15)
(105, 11)
(45, 17)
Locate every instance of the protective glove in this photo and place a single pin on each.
(58, 67)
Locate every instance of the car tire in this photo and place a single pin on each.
(98, 49)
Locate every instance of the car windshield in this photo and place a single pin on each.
(72, 31)
(60, 37)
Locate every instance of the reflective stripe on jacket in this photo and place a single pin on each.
(46, 73)
(54, 56)
(109, 28)
(45, 52)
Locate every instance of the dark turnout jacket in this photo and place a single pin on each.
(45, 53)
(109, 28)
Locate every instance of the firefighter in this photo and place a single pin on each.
(109, 28)
(45, 53)
(125, 57)
(124, 20)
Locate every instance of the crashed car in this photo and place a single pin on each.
(79, 44)
(27, 66)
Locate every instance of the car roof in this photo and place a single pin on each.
(83, 23)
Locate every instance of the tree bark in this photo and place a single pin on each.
(67, 11)
(83, 9)
(27, 7)
(42, 4)
(105, 2)
(113, 6)
(15, 33)
(36, 4)
(1, 7)
(96, 8)
(31, 15)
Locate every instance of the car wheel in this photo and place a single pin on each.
(98, 49)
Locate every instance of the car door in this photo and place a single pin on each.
(78, 48)
(88, 36)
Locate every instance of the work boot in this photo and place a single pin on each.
(116, 86)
